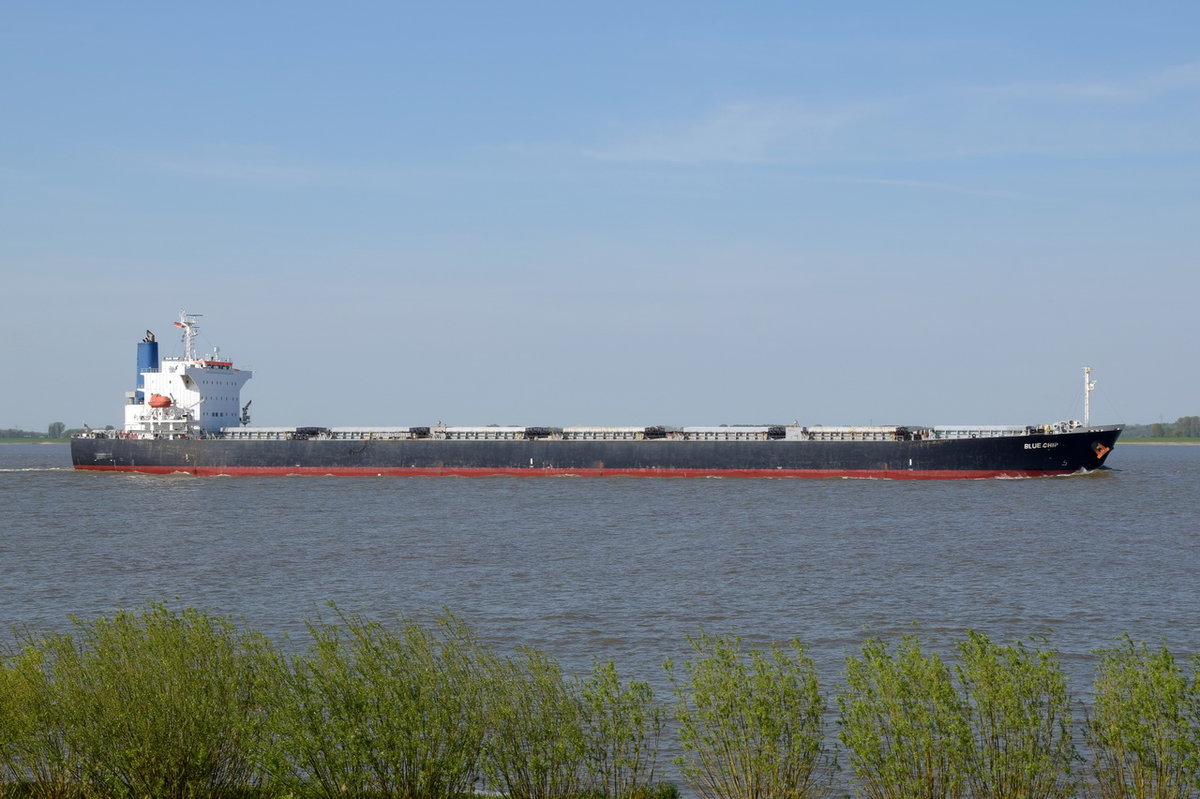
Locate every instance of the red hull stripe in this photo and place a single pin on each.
(401, 471)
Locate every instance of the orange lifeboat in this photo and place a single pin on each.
(159, 401)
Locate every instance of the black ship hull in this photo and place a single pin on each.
(1035, 455)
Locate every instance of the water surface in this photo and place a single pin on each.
(623, 569)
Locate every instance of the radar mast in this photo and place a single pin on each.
(1088, 385)
(191, 328)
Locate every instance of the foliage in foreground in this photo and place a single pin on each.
(1144, 730)
(624, 729)
(33, 754)
(903, 723)
(158, 704)
(750, 721)
(378, 710)
(1019, 716)
(179, 704)
(537, 744)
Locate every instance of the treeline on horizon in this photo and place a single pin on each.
(1183, 427)
(56, 430)
(167, 703)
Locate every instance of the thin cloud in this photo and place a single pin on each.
(1179, 78)
(738, 133)
(1148, 113)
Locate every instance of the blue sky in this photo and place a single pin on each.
(549, 213)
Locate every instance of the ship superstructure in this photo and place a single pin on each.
(182, 397)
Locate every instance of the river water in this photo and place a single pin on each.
(624, 569)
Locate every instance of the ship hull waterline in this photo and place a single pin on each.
(1078, 451)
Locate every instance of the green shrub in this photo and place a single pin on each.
(903, 723)
(34, 759)
(750, 721)
(380, 711)
(158, 703)
(623, 730)
(1020, 718)
(537, 742)
(1143, 726)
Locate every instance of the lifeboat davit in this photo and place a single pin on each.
(159, 401)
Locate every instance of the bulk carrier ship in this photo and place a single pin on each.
(185, 415)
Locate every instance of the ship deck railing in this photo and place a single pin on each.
(791, 432)
(997, 431)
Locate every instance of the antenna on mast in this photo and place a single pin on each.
(191, 329)
(1088, 385)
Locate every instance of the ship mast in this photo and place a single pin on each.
(191, 329)
(1088, 385)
